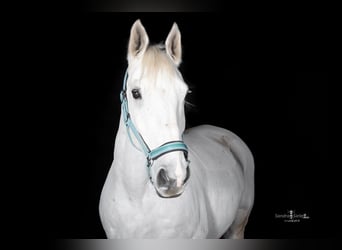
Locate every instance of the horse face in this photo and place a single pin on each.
(156, 93)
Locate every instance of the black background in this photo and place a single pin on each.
(263, 77)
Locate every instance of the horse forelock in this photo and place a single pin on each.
(156, 62)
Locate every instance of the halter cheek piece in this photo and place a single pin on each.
(154, 154)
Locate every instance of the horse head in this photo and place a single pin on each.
(154, 92)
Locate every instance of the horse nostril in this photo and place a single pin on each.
(162, 179)
(187, 175)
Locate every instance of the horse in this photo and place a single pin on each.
(165, 181)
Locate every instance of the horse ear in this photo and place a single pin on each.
(138, 40)
(173, 44)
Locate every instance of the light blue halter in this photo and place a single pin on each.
(154, 154)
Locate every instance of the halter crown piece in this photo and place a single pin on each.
(154, 154)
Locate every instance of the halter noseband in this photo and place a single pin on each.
(154, 154)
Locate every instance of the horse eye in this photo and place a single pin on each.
(136, 94)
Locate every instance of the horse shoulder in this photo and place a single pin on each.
(218, 160)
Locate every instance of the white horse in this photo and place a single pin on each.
(197, 183)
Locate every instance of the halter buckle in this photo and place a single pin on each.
(149, 162)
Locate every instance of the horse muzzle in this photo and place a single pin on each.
(168, 187)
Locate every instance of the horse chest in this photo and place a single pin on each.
(161, 218)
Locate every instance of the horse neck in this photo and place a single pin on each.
(129, 164)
